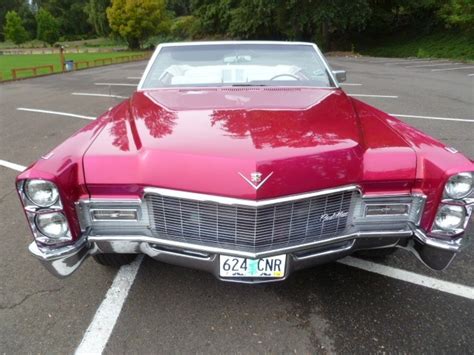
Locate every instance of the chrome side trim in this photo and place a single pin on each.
(243, 202)
(245, 254)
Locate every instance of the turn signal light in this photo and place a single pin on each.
(401, 209)
(114, 215)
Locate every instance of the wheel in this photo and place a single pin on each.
(114, 260)
(376, 253)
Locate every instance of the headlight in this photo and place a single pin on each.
(41, 192)
(53, 225)
(450, 218)
(459, 186)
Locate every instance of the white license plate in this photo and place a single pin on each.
(232, 266)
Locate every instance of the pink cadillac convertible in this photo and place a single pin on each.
(246, 160)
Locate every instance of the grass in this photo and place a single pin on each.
(100, 42)
(8, 62)
(439, 45)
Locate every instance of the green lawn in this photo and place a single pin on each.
(8, 62)
(439, 45)
(92, 42)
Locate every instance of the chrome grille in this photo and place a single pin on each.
(246, 227)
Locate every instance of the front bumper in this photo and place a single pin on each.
(435, 253)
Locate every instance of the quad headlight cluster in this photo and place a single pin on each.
(41, 192)
(44, 210)
(455, 209)
(459, 186)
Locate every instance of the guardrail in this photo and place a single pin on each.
(15, 71)
(78, 65)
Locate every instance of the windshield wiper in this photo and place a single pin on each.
(249, 85)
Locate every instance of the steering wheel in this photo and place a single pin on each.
(290, 75)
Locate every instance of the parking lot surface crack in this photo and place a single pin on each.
(7, 194)
(24, 299)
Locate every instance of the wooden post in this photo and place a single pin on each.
(61, 57)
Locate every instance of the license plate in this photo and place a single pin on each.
(232, 266)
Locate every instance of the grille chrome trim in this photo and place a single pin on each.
(246, 254)
(267, 224)
(243, 202)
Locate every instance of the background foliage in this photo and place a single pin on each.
(14, 29)
(333, 24)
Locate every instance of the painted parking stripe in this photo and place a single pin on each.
(115, 84)
(381, 96)
(409, 61)
(433, 118)
(12, 166)
(447, 69)
(411, 277)
(470, 74)
(350, 84)
(432, 65)
(98, 95)
(56, 113)
(98, 333)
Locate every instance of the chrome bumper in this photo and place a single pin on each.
(435, 253)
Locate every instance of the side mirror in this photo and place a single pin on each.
(340, 75)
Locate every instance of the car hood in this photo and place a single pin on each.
(212, 140)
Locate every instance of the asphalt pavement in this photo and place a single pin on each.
(334, 308)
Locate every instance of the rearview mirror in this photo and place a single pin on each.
(340, 75)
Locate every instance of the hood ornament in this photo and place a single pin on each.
(256, 179)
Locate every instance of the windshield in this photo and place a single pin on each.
(238, 64)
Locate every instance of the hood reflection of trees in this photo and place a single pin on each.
(158, 121)
(275, 128)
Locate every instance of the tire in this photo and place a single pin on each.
(376, 253)
(114, 260)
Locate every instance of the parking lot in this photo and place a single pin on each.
(352, 306)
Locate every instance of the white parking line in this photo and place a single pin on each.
(99, 95)
(12, 166)
(407, 61)
(350, 84)
(115, 84)
(381, 96)
(411, 277)
(433, 118)
(56, 113)
(470, 74)
(99, 331)
(459, 68)
(431, 65)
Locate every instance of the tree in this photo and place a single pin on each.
(255, 19)
(70, 15)
(48, 27)
(214, 16)
(310, 20)
(28, 19)
(5, 6)
(137, 20)
(180, 7)
(184, 27)
(459, 13)
(95, 10)
(14, 29)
